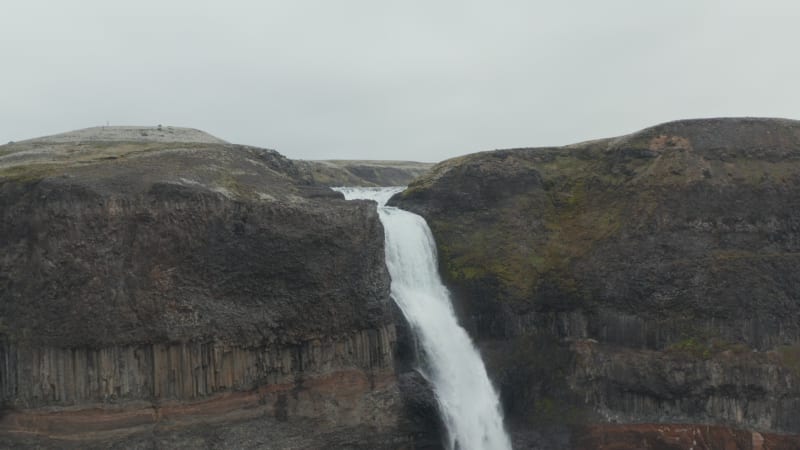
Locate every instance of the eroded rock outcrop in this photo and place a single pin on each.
(648, 278)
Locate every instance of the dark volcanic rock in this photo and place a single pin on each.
(174, 262)
(159, 242)
(677, 248)
(159, 282)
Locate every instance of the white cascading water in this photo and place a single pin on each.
(467, 400)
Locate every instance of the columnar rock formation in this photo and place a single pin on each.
(46, 376)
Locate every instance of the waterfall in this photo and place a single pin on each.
(467, 400)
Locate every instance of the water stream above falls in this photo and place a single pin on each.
(467, 400)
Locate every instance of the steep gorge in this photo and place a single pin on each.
(163, 288)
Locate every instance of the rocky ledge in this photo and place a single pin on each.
(652, 278)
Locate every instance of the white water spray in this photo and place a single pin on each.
(467, 400)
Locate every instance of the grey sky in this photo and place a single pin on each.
(420, 80)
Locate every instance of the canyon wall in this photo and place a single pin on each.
(182, 292)
(43, 376)
(651, 278)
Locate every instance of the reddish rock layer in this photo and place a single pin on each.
(679, 437)
(350, 392)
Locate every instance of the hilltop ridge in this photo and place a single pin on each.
(158, 133)
(98, 144)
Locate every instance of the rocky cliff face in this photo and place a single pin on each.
(651, 278)
(154, 280)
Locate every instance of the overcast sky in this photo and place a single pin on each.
(418, 80)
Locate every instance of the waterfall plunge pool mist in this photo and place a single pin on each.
(468, 402)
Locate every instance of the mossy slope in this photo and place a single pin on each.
(652, 223)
